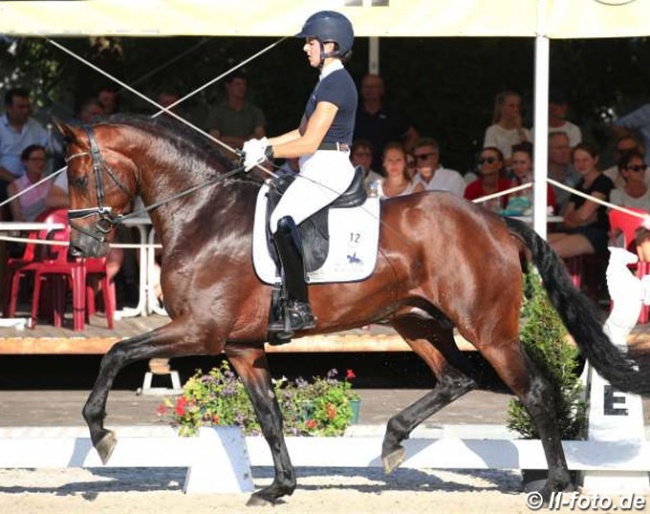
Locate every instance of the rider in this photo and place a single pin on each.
(322, 143)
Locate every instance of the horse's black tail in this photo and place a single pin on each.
(581, 317)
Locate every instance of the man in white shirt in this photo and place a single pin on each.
(430, 173)
(558, 106)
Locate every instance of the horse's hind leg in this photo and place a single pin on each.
(520, 374)
(436, 346)
(162, 342)
(252, 367)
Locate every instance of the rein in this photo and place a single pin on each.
(107, 220)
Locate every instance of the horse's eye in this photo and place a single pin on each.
(80, 181)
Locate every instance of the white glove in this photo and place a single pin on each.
(254, 151)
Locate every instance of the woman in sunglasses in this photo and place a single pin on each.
(32, 203)
(586, 223)
(491, 180)
(635, 194)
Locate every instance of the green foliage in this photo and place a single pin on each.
(545, 341)
(321, 407)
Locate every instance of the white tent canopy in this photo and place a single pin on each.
(541, 19)
(424, 18)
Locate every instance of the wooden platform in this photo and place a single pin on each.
(97, 339)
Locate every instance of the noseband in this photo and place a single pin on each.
(106, 218)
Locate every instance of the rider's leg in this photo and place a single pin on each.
(297, 311)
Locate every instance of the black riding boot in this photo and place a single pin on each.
(296, 312)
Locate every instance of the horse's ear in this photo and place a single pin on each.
(67, 131)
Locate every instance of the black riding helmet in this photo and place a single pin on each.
(330, 27)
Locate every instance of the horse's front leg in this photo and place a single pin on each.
(253, 369)
(170, 340)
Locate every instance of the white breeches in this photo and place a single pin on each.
(324, 176)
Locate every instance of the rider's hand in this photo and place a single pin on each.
(254, 152)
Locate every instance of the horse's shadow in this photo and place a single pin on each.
(364, 480)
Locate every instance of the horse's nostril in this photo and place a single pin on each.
(75, 251)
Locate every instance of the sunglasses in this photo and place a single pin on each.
(638, 167)
(423, 156)
(489, 160)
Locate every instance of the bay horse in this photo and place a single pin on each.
(443, 262)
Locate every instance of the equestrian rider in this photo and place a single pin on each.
(322, 143)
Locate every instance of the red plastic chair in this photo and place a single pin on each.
(58, 268)
(29, 262)
(627, 224)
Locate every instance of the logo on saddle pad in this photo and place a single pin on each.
(339, 243)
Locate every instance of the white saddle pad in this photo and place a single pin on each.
(354, 238)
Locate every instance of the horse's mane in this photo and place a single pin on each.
(174, 132)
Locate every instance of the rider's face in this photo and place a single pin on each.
(312, 49)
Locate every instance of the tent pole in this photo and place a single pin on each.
(542, 65)
(373, 55)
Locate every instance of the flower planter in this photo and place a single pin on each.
(355, 404)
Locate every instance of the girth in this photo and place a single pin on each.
(314, 231)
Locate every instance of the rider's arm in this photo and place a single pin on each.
(317, 126)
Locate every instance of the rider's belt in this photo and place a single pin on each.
(339, 147)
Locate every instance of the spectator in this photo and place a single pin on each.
(235, 120)
(635, 191)
(18, 130)
(507, 127)
(430, 173)
(522, 170)
(379, 124)
(361, 155)
(397, 181)
(491, 179)
(586, 223)
(30, 204)
(625, 143)
(560, 168)
(89, 110)
(108, 101)
(638, 120)
(558, 106)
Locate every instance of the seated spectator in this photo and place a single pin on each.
(586, 223)
(397, 181)
(235, 120)
(490, 181)
(635, 193)
(430, 173)
(625, 143)
(560, 167)
(108, 100)
(522, 171)
(558, 106)
(636, 122)
(29, 205)
(361, 155)
(377, 122)
(507, 127)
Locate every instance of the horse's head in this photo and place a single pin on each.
(102, 182)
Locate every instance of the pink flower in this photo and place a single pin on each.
(311, 424)
(350, 375)
(161, 410)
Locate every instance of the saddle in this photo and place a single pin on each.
(314, 231)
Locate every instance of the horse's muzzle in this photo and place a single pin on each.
(85, 246)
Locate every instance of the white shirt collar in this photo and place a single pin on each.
(336, 64)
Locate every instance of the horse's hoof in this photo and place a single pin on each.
(106, 445)
(393, 459)
(259, 501)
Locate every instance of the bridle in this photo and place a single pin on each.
(106, 218)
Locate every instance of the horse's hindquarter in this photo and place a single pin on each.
(441, 249)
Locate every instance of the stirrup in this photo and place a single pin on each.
(296, 316)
